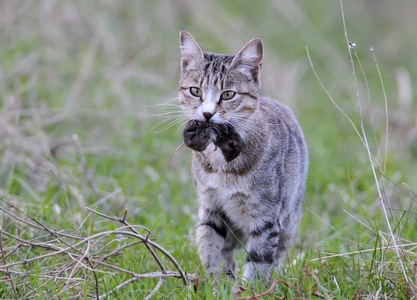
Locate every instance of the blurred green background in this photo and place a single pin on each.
(108, 71)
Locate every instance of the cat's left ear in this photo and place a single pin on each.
(249, 59)
(191, 53)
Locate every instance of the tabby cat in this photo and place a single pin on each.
(250, 192)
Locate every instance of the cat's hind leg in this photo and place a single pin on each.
(262, 246)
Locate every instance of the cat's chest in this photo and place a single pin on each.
(214, 176)
(226, 185)
(233, 195)
(222, 187)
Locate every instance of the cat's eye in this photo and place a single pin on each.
(196, 92)
(227, 95)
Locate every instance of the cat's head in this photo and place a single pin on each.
(219, 88)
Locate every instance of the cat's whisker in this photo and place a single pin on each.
(244, 128)
(169, 100)
(235, 128)
(173, 123)
(169, 113)
(166, 105)
(182, 125)
(179, 117)
(248, 127)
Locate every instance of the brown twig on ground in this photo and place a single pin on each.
(270, 291)
(166, 253)
(300, 289)
(64, 261)
(7, 269)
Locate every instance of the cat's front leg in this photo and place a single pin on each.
(262, 248)
(213, 249)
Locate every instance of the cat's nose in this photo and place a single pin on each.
(207, 115)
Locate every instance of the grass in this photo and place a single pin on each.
(107, 72)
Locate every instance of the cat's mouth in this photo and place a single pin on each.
(214, 123)
(208, 116)
(212, 120)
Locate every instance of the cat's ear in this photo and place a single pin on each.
(249, 59)
(191, 53)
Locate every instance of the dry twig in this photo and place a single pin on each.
(65, 261)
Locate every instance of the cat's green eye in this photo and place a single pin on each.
(227, 95)
(196, 92)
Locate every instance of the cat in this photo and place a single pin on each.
(251, 195)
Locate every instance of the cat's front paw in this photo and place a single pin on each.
(229, 141)
(197, 135)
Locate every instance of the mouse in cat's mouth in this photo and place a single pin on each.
(198, 135)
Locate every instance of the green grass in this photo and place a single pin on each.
(105, 70)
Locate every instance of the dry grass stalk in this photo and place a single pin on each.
(382, 194)
(68, 259)
(378, 166)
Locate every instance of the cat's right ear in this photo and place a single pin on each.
(191, 53)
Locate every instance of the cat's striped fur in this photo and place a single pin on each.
(255, 199)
